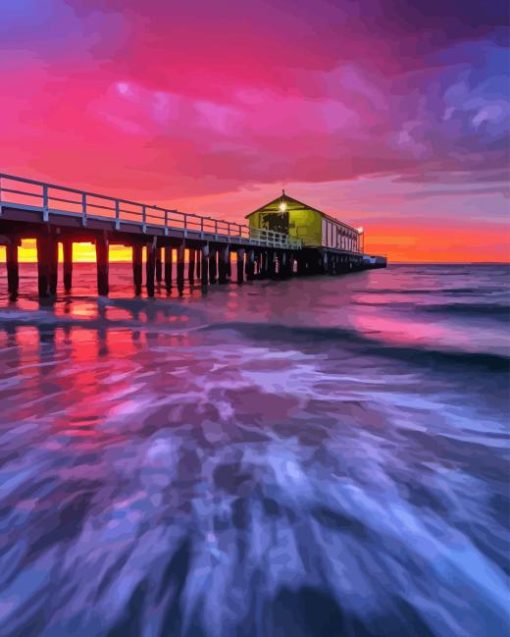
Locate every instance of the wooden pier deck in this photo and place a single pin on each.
(55, 214)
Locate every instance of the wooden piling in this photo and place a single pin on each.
(262, 264)
(180, 268)
(290, 265)
(53, 265)
(67, 249)
(43, 273)
(282, 265)
(159, 265)
(11, 254)
(198, 262)
(240, 265)
(250, 265)
(168, 268)
(150, 267)
(137, 267)
(271, 268)
(47, 265)
(102, 262)
(301, 265)
(191, 265)
(324, 263)
(204, 266)
(224, 257)
(212, 265)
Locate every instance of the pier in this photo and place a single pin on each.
(54, 214)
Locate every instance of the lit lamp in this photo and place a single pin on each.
(283, 204)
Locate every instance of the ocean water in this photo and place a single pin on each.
(324, 456)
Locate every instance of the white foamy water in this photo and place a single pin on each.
(316, 457)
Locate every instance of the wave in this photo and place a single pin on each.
(141, 315)
(305, 337)
(360, 344)
(479, 291)
(487, 310)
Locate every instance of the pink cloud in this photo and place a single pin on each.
(212, 101)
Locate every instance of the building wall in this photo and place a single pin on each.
(336, 235)
(310, 226)
(303, 224)
(306, 225)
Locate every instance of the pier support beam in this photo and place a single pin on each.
(150, 267)
(47, 265)
(198, 262)
(263, 262)
(67, 249)
(240, 265)
(43, 275)
(137, 267)
(180, 268)
(250, 265)
(324, 263)
(191, 265)
(271, 268)
(159, 265)
(224, 258)
(283, 268)
(11, 254)
(212, 265)
(168, 268)
(301, 265)
(102, 265)
(291, 264)
(53, 266)
(204, 266)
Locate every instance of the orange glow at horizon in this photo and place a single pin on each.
(447, 243)
(399, 244)
(82, 252)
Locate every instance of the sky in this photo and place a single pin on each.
(389, 114)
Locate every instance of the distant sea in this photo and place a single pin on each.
(319, 457)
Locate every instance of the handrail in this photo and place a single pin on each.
(91, 205)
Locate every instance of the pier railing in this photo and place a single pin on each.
(38, 196)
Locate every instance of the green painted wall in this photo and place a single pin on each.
(304, 223)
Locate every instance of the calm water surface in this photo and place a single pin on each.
(317, 457)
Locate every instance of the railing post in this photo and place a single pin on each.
(45, 203)
(144, 218)
(185, 225)
(166, 223)
(117, 214)
(216, 228)
(84, 208)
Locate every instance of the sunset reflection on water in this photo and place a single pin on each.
(253, 452)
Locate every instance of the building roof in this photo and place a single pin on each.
(295, 204)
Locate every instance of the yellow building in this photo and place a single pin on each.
(301, 221)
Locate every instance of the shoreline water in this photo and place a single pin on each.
(321, 456)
